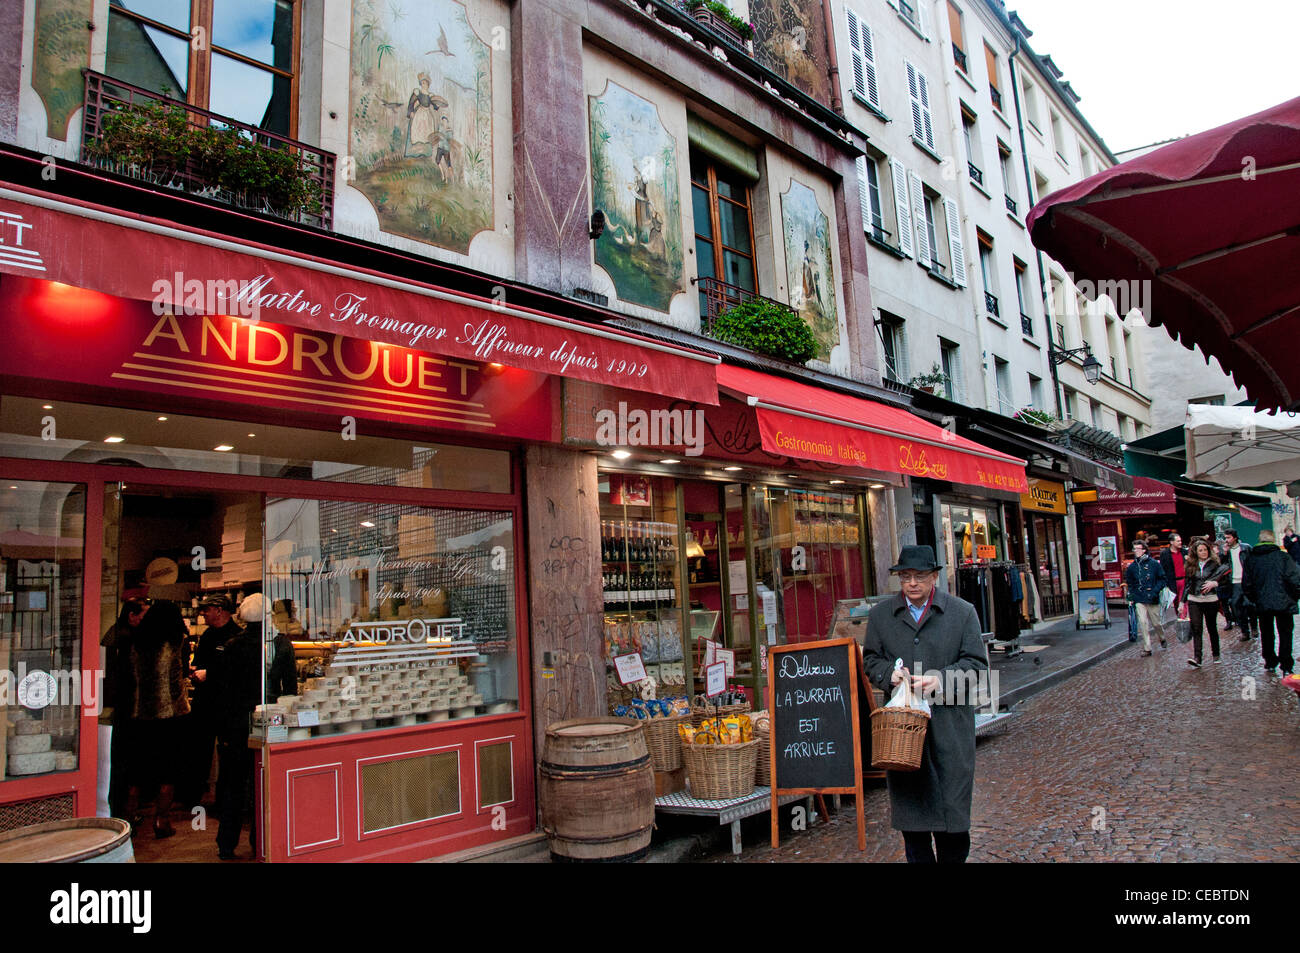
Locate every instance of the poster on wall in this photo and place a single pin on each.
(1107, 549)
(809, 267)
(629, 490)
(634, 182)
(421, 121)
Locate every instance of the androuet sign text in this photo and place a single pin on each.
(406, 630)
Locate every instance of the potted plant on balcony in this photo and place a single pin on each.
(718, 16)
(930, 381)
(1040, 418)
(767, 327)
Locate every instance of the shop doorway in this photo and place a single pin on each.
(174, 550)
(1050, 560)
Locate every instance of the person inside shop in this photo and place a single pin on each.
(1238, 555)
(934, 633)
(234, 688)
(218, 614)
(1173, 562)
(119, 696)
(1204, 576)
(1272, 584)
(1145, 580)
(160, 700)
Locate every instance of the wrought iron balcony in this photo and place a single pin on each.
(976, 174)
(997, 98)
(138, 133)
(959, 57)
(1011, 204)
(716, 296)
(1026, 325)
(991, 304)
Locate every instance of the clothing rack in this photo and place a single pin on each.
(1002, 593)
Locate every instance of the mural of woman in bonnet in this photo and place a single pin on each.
(421, 126)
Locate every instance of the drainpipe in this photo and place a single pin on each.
(837, 103)
(1029, 190)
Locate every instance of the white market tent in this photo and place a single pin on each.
(1241, 447)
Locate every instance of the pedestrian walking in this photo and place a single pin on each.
(1272, 583)
(1291, 543)
(1145, 580)
(935, 633)
(1204, 574)
(1173, 560)
(1237, 555)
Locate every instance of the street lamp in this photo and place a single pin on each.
(1091, 366)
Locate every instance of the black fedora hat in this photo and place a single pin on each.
(916, 559)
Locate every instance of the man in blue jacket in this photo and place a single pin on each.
(1145, 580)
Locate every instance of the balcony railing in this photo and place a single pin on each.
(1026, 325)
(959, 57)
(106, 97)
(997, 98)
(991, 304)
(976, 174)
(716, 296)
(1011, 204)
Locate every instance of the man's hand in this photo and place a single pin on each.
(924, 684)
(898, 676)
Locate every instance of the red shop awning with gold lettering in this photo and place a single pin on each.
(133, 256)
(823, 425)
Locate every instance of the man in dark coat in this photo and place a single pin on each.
(1272, 583)
(1145, 581)
(937, 637)
(218, 614)
(235, 689)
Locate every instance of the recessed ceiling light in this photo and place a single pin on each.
(252, 435)
(47, 406)
(368, 524)
(223, 447)
(113, 439)
(620, 454)
(732, 469)
(12, 486)
(670, 460)
(836, 481)
(877, 486)
(162, 418)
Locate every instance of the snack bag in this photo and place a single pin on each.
(731, 730)
(686, 733)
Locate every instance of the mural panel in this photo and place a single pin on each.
(790, 40)
(421, 133)
(809, 267)
(59, 53)
(634, 182)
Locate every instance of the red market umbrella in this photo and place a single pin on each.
(1204, 236)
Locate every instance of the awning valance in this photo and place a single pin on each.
(133, 256)
(812, 423)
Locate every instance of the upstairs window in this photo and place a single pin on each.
(862, 51)
(233, 57)
(958, 37)
(995, 85)
(922, 122)
(724, 230)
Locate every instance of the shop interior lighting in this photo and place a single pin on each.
(223, 447)
(113, 439)
(833, 482)
(47, 406)
(669, 461)
(877, 486)
(162, 418)
(732, 469)
(252, 435)
(620, 454)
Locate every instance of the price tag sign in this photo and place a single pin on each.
(308, 718)
(629, 667)
(728, 658)
(716, 681)
(986, 552)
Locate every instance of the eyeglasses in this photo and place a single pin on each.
(906, 577)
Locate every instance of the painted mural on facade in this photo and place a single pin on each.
(421, 133)
(58, 55)
(634, 182)
(809, 267)
(790, 40)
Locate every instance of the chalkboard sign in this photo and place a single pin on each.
(819, 704)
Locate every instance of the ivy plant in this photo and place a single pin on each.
(768, 328)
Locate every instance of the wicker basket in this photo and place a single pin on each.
(699, 715)
(719, 772)
(664, 742)
(898, 738)
(763, 772)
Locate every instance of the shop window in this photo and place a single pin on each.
(167, 441)
(724, 229)
(42, 570)
(397, 614)
(233, 57)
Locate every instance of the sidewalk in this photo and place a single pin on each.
(1054, 654)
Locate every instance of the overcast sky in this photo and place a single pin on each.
(1150, 70)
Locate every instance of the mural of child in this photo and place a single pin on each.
(644, 210)
(444, 147)
(812, 284)
(421, 127)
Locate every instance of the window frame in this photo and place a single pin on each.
(198, 81)
(710, 185)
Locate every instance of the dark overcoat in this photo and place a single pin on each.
(937, 796)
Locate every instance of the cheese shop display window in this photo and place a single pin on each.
(392, 615)
(43, 687)
(644, 597)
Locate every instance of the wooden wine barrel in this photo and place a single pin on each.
(597, 791)
(78, 840)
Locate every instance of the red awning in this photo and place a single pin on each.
(1203, 236)
(1149, 498)
(810, 423)
(132, 256)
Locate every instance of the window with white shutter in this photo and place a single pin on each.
(918, 89)
(902, 208)
(873, 219)
(868, 41)
(955, 244)
(923, 7)
(922, 240)
(903, 362)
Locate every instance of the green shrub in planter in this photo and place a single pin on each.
(767, 328)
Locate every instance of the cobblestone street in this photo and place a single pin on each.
(1136, 759)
